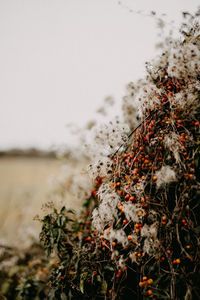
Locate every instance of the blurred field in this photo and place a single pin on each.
(24, 186)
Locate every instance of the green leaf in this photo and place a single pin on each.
(51, 295)
(82, 286)
(71, 211)
(82, 279)
(63, 221)
(59, 235)
(104, 288)
(14, 269)
(109, 268)
(63, 296)
(98, 278)
(197, 230)
(62, 209)
(76, 265)
(70, 294)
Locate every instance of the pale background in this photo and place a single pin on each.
(60, 58)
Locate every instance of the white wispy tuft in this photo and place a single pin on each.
(165, 175)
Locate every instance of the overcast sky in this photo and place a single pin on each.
(60, 58)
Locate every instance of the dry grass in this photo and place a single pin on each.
(24, 186)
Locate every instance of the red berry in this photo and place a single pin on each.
(132, 198)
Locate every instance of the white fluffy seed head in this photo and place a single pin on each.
(165, 175)
(171, 142)
(107, 210)
(133, 212)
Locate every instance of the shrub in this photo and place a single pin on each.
(144, 237)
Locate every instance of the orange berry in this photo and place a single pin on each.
(140, 213)
(187, 247)
(178, 261)
(168, 251)
(164, 218)
(150, 281)
(137, 226)
(113, 244)
(154, 178)
(162, 258)
(125, 222)
(110, 291)
(129, 237)
(141, 284)
(144, 278)
(149, 292)
(170, 94)
(120, 206)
